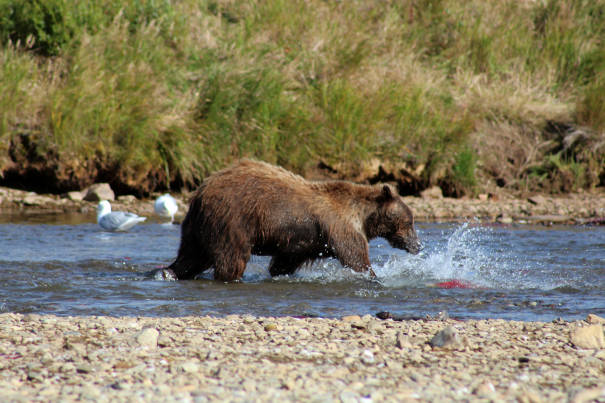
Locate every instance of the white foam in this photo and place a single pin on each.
(479, 255)
(473, 254)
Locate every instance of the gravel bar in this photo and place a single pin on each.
(243, 358)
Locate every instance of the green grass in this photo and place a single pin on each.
(152, 94)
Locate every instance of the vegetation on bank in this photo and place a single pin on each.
(150, 94)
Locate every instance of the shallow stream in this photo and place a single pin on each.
(66, 265)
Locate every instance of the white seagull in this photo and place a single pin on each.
(116, 220)
(165, 206)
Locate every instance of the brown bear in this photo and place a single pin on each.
(257, 208)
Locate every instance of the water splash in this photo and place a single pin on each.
(461, 256)
(480, 256)
(475, 255)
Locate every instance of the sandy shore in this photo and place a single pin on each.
(246, 358)
(577, 208)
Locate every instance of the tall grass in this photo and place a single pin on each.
(156, 93)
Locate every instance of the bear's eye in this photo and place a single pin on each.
(399, 212)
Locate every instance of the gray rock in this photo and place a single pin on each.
(190, 366)
(592, 318)
(590, 337)
(588, 395)
(550, 218)
(33, 199)
(504, 219)
(485, 388)
(367, 357)
(529, 396)
(75, 195)
(270, 326)
(537, 200)
(446, 338)
(84, 368)
(403, 341)
(434, 192)
(148, 337)
(347, 396)
(127, 199)
(98, 192)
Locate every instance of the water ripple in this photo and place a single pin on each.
(523, 272)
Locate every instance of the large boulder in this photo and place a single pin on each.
(433, 192)
(98, 192)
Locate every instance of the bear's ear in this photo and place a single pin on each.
(387, 193)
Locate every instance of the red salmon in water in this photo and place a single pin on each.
(454, 284)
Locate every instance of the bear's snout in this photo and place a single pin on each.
(414, 247)
(407, 240)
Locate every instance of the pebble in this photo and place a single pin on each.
(592, 318)
(148, 337)
(485, 388)
(270, 326)
(127, 199)
(504, 219)
(589, 337)
(537, 200)
(190, 366)
(589, 395)
(367, 357)
(446, 338)
(403, 341)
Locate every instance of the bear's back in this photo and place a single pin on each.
(247, 176)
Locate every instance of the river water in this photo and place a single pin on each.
(66, 265)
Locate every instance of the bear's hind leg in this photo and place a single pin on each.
(285, 264)
(230, 265)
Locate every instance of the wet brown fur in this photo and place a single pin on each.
(253, 207)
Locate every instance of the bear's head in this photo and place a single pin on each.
(393, 220)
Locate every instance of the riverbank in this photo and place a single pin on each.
(574, 208)
(459, 94)
(246, 358)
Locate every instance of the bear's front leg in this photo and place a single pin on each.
(285, 264)
(352, 251)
